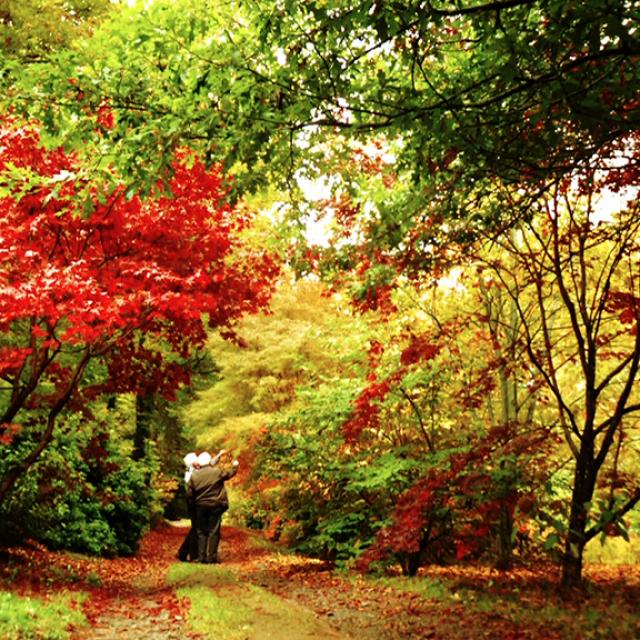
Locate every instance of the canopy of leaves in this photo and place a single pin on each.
(468, 96)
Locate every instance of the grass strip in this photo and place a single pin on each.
(31, 617)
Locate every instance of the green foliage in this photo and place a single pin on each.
(332, 499)
(86, 494)
(614, 551)
(304, 339)
(469, 98)
(30, 29)
(32, 618)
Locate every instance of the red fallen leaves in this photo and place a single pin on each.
(120, 586)
(168, 602)
(37, 568)
(479, 602)
(359, 604)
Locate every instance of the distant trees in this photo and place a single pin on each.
(347, 465)
(479, 378)
(301, 342)
(32, 29)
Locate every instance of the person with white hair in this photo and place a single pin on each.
(189, 460)
(207, 493)
(189, 547)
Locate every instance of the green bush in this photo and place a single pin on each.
(330, 500)
(84, 494)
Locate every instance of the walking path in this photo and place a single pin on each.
(259, 592)
(147, 608)
(285, 597)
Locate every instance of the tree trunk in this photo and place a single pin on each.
(572, 562)
(583, 487)
(14, 473)
(409, 562)
(145, 403)
(504, 558)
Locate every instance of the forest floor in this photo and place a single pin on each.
(260, 592)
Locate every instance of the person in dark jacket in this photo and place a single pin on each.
(189, 547)
(206, 491)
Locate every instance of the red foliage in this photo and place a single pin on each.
(412, 516)
(374, 353)
(93, 284)
(8, 432)
(421, 348)
(366, 414)
(105, 117)
(627, 306)
(462, 498)
(344, 211)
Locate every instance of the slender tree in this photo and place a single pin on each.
(583, 340)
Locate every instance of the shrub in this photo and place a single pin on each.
(85, 495)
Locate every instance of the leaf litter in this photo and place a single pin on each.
(128, 597)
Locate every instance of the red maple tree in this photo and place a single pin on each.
(125, 291)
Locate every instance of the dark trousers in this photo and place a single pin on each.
(208, 520)
(189, 547)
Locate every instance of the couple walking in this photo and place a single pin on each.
(207, 501)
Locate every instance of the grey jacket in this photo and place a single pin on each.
(206, 487)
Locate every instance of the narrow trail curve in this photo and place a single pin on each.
(135, 603)
(306, 599)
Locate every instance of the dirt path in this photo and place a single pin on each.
(133, 602)
(273, 595)
(147, 609)
(290, 597)
(321, 604)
